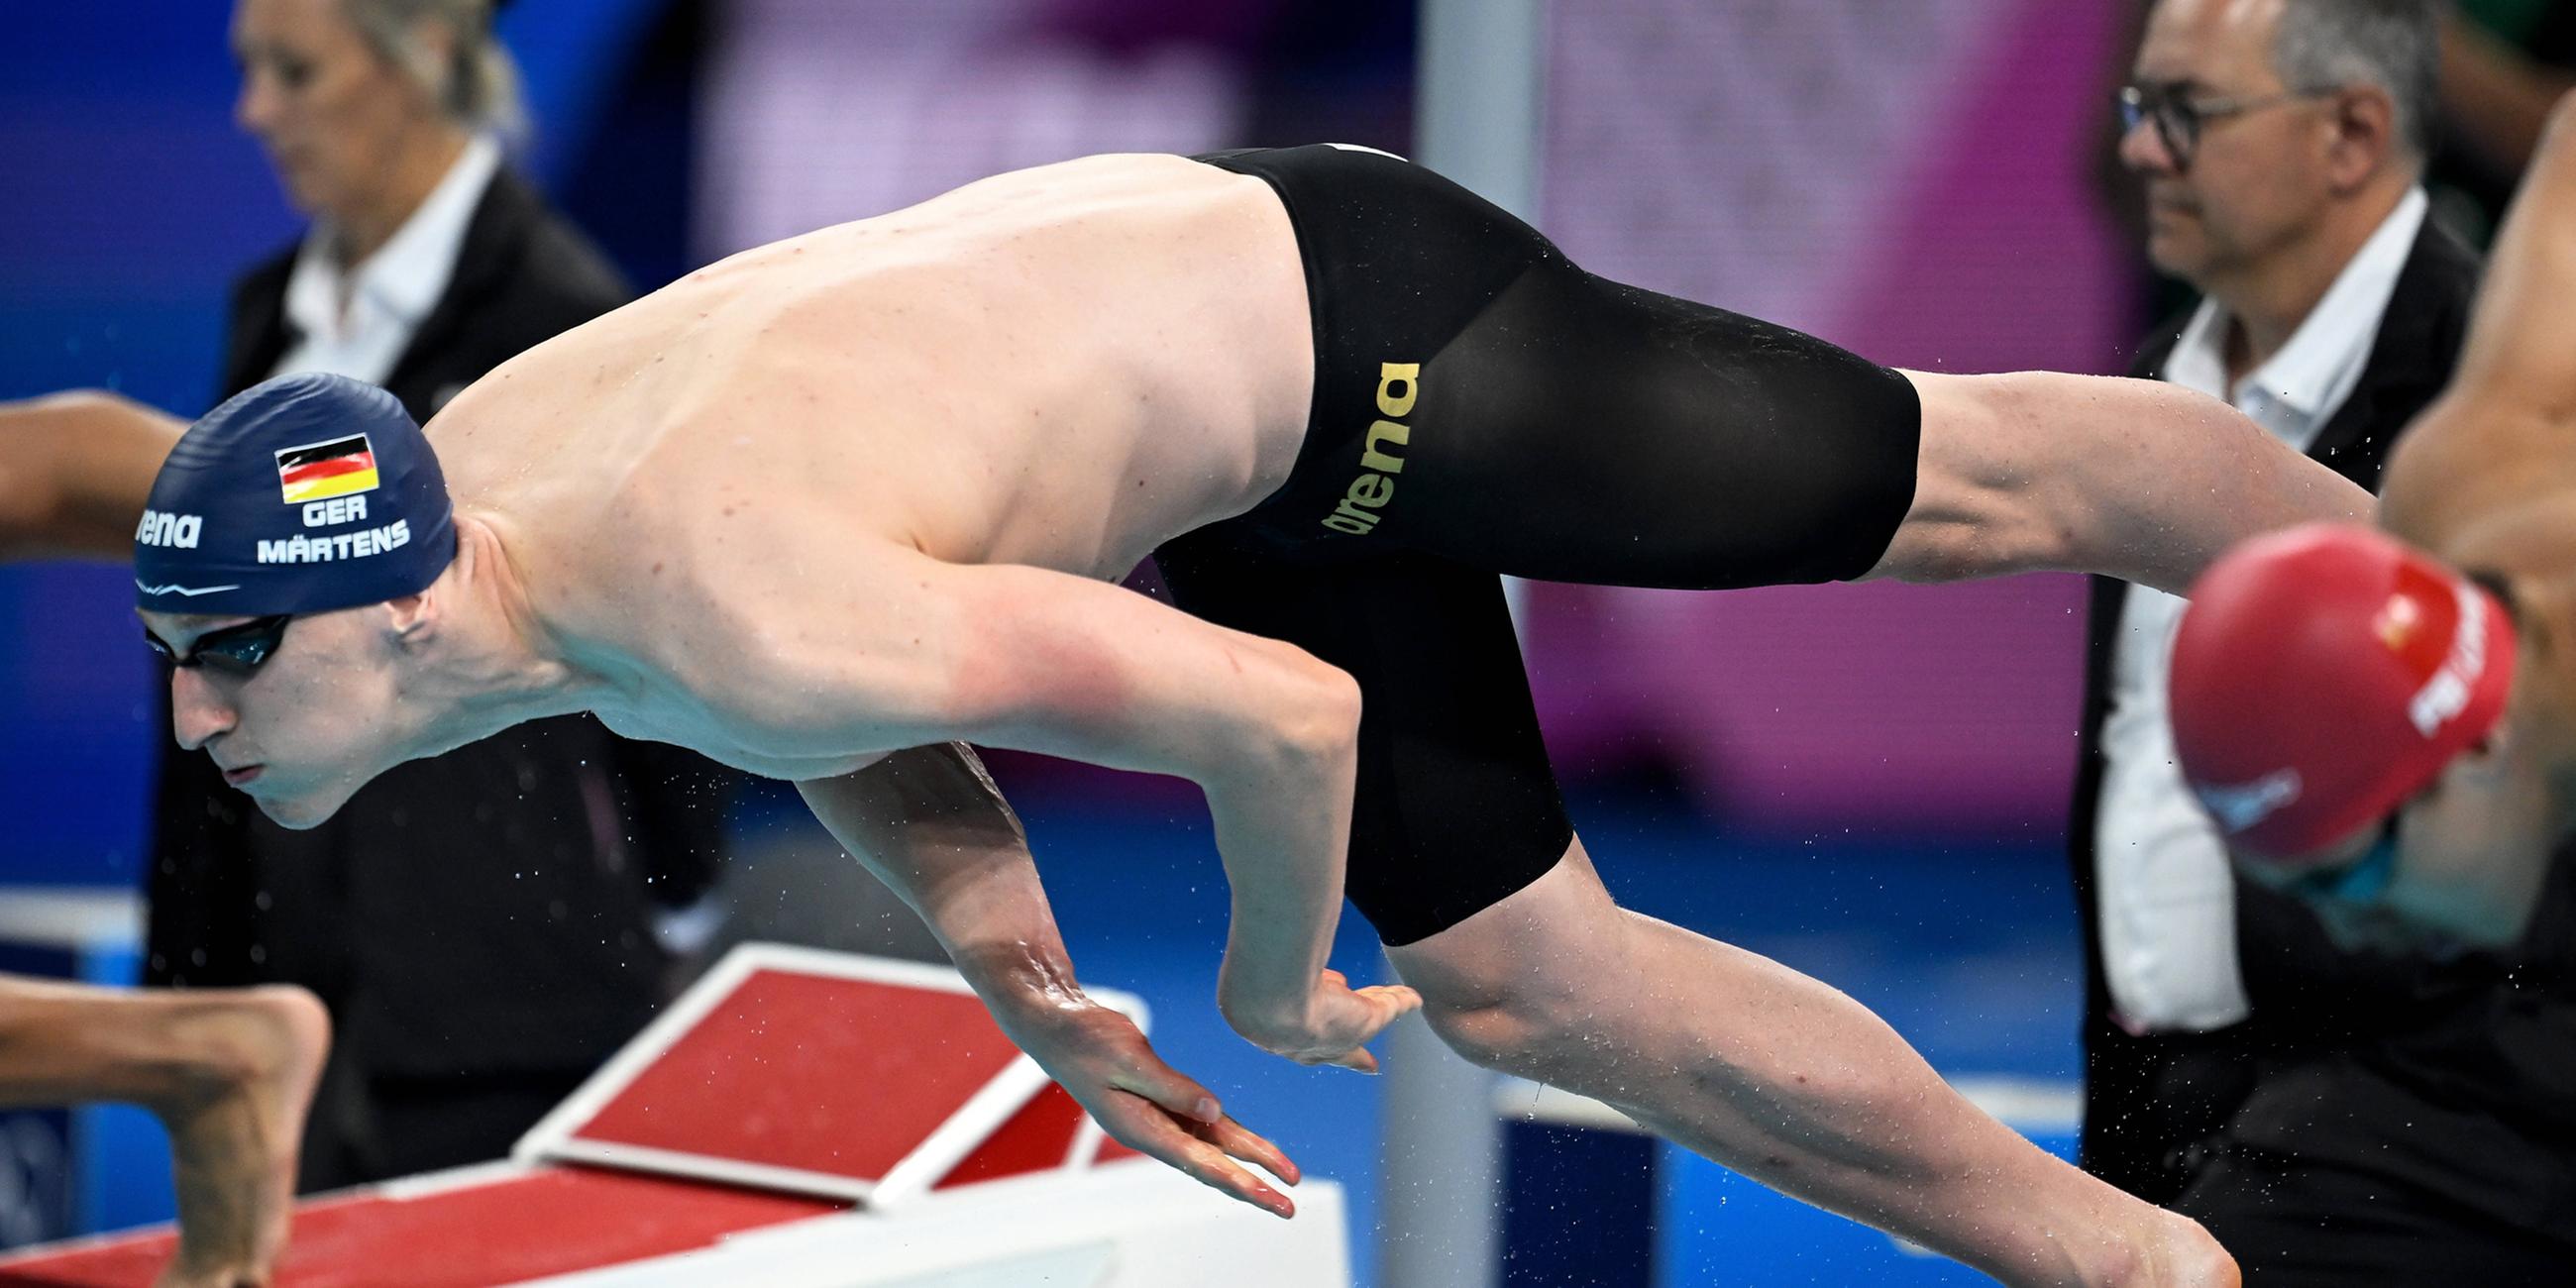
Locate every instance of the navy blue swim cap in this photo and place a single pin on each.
(303, 494)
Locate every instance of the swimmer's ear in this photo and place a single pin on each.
(413, 619)
(2482, 766)
(2488, 757)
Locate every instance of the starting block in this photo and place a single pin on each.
(797, 1119)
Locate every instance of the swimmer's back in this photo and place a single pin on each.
(1058, 367)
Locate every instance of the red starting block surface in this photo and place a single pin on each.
(474, 1227)
(754, 1133)
(825, 1074)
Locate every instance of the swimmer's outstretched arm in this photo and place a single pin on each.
(74, 471)
(2500, 443)
(929, 822)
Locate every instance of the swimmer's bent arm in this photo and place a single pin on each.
(75, 469)
(930, 823)
(1041, 661)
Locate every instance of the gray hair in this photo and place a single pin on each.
(2328, 44)
(479, 86)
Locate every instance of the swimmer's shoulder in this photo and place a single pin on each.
(753, 662)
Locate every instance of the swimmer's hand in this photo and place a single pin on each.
(1150, 1107)
(1334, 1025)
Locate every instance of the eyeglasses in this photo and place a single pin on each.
(2180, 118)
(239, 649)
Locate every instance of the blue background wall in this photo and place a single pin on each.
(131, 201)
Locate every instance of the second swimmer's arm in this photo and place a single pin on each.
(74, 471)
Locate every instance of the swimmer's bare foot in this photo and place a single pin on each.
(236, 1119)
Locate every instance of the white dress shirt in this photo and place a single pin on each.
(357, 324)
(2166, 903)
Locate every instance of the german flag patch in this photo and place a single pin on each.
(318, 471)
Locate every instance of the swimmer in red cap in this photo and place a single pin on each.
(835, 507)
(2384, 721)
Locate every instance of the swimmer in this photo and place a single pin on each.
(835, 507)
(2415, 774)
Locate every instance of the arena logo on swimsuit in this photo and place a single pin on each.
(1368, 494)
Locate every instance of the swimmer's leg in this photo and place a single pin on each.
(1780, 1077)
(230, 1073)
(2138, 479)
(1582, 430)
(1480, 397)
(1462, 857)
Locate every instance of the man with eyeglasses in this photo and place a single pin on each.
(2231, 1035)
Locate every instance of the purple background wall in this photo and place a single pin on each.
(1907, 181)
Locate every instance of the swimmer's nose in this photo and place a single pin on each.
(197, 714)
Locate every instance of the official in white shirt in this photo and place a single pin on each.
(2163, 890)
(357, 322)
(2239, 1066)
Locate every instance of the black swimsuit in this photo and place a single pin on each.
(1483, 406)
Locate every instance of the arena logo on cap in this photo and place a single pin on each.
(2242, 805)
(176, 530)
(317, 471)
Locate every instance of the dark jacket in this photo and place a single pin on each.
(485, 915)
(2151, 1103)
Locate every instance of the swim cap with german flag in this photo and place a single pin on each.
(2322, 676)
(302, 494)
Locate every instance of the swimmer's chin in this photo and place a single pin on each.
(302, 814)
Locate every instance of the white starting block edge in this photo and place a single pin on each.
(1128, 1224)
(555, 1137)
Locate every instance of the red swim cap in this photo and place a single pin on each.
(2325, 674)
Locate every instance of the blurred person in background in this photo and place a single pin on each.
(2239, 1064)
(2504, 64)
(482, 924)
